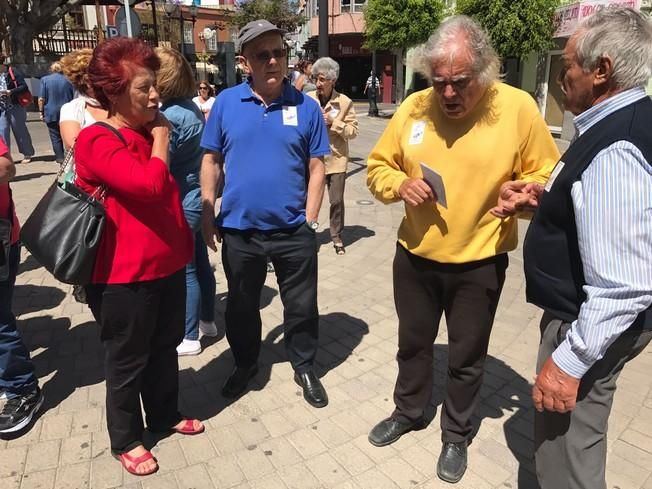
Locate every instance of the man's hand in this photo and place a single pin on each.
(554, 390)
(415, 191)
(209, 232)
(327, 118)
(516, 196)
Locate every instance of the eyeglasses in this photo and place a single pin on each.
(265, 56)
(458, 84)
(203, 88)
(321, 79)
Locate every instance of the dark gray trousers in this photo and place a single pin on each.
(335, 184)
(571, 448)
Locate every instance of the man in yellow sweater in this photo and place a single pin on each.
(488, 146)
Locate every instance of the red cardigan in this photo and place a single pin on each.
(146, 235)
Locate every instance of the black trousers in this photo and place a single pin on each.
(468, 295)
(373, 107)
(293, 252)
(141, 325)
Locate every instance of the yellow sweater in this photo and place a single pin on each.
(504, 138)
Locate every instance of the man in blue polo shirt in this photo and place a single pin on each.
(265, 142)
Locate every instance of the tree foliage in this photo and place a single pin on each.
(516, 27)
(282, 13)
(24, 19)
(400, 24)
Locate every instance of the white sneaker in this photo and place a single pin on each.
(189, 347)
(208, 328)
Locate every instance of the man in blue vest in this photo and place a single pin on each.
(266, 142)
(587, 252)
(56, 90)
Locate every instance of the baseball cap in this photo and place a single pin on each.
(254, 29)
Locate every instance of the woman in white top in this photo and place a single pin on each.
(83, 110)
(205, 99)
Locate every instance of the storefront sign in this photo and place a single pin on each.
(568, 17)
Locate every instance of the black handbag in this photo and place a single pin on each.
(64, 231)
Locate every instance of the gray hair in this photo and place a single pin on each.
(327, 67)
(625, 36)
(486, 63)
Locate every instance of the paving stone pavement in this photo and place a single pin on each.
(270, 438)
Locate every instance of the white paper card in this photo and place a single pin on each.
(436, 183)
(553, 176)
(290, 116)
(334, 112)
(418, 129)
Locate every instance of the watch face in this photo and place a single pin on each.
(313, 225)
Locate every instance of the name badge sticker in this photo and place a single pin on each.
(553, 176)
(418, 130)
(290, 117)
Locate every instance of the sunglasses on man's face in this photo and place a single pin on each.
(265, 56)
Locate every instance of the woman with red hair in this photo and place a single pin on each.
(137, 294)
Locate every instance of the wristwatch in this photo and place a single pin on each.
(313, 225)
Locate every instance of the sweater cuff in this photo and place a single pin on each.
(568, 361)
(397, 184)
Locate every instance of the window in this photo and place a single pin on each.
(352, 5)
(187, 33)
(211, 44)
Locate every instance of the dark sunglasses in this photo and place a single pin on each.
(203, 88)
(265, 56)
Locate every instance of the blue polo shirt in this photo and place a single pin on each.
(266, 153)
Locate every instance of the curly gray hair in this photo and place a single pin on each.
(486, 63)
(327, 67)
(625, 36)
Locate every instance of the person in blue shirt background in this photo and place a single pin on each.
(176, 85)
(56, 90)
(265, 142)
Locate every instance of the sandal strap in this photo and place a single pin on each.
(136, 461)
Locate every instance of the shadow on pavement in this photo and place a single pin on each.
(70, 357)
(504, 393)
(32, 298)
(350, 235)
(32, 176)
(30, 263)
(340, 334)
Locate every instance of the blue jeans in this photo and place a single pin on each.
(55, 138)
(16, 367)
(200, 281)
(15, 118)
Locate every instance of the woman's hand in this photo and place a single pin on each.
(160, 127)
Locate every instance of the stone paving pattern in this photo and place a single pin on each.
(270, 438)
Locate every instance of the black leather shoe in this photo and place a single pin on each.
(389, 430)
(313, 390)
(237, 382)
(452, 462)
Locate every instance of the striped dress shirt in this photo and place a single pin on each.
(613, 215)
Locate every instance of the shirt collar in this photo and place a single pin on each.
(584, 121)
(288, 94)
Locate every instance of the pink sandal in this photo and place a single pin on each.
(188, 428)
(130, 463)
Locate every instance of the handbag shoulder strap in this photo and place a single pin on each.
(113, 130)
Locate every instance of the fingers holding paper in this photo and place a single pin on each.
(415, 191)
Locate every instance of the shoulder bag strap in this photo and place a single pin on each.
(113, 130)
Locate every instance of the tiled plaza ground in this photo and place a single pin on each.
(270, 438)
